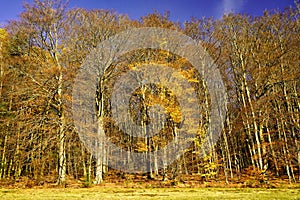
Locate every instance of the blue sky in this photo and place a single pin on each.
(180, 10)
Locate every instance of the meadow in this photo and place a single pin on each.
(149, 193)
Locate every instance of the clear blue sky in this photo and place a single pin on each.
(180, 10)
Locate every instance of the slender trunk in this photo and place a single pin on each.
(225, 165)
(257, 134)
(61, 133)
(285, 153)
(3, 158)
(274, 158)
(247, 126)
(100, 152)
(16, 158)
(85, 173)
(156, 160)
(89, 177)
(228, 155)
(165, 164)
(99, 169)
(62, 157)
(235, 149)
(100, 157)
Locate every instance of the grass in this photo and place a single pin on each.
(112, 193)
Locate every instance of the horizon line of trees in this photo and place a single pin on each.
(41, 52)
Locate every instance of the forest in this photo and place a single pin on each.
(258, 59)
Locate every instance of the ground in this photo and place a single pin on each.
(111, 193)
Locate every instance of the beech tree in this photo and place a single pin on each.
(42, 51)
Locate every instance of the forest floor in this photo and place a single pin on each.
(139, 187)
(100, 192)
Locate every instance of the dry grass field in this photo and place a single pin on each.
(112, 193)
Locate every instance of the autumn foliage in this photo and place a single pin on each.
(258, 57)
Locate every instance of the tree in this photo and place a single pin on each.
(42, 24)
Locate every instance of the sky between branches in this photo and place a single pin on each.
(180, 10)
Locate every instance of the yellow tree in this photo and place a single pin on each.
(42, 25)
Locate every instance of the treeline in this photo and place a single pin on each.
(258, 58)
